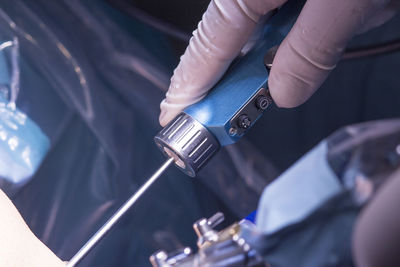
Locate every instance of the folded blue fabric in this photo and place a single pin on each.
(298, 191)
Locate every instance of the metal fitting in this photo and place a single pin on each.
(262, 102)
(204, 229)
(244, 121)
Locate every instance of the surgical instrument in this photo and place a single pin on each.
(221, 118)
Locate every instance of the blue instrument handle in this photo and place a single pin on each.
(243, 81)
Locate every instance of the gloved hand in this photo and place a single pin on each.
(303, 61)
(18, 245)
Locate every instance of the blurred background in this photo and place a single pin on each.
(91, 74)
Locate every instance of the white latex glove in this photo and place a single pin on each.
(19, 247)
(303, 61)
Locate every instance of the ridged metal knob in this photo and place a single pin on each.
(188, 142)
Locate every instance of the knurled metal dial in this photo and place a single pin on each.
(188, 142)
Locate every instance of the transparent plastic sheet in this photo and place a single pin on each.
(92, 80)
(363, 157)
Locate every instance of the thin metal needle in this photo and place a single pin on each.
(92, 242)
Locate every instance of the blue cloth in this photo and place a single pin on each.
(298, 191)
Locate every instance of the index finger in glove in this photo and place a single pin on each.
(223, 31)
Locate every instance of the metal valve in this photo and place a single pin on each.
(224, 248)
(204, 229)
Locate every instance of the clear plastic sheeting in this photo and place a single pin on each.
(359, 158)
(92, 79)
(364, 155)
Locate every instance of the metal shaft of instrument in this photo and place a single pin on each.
(92, 242)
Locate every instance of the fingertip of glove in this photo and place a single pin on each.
(161, 118)
(167, 115)
(288, 91)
